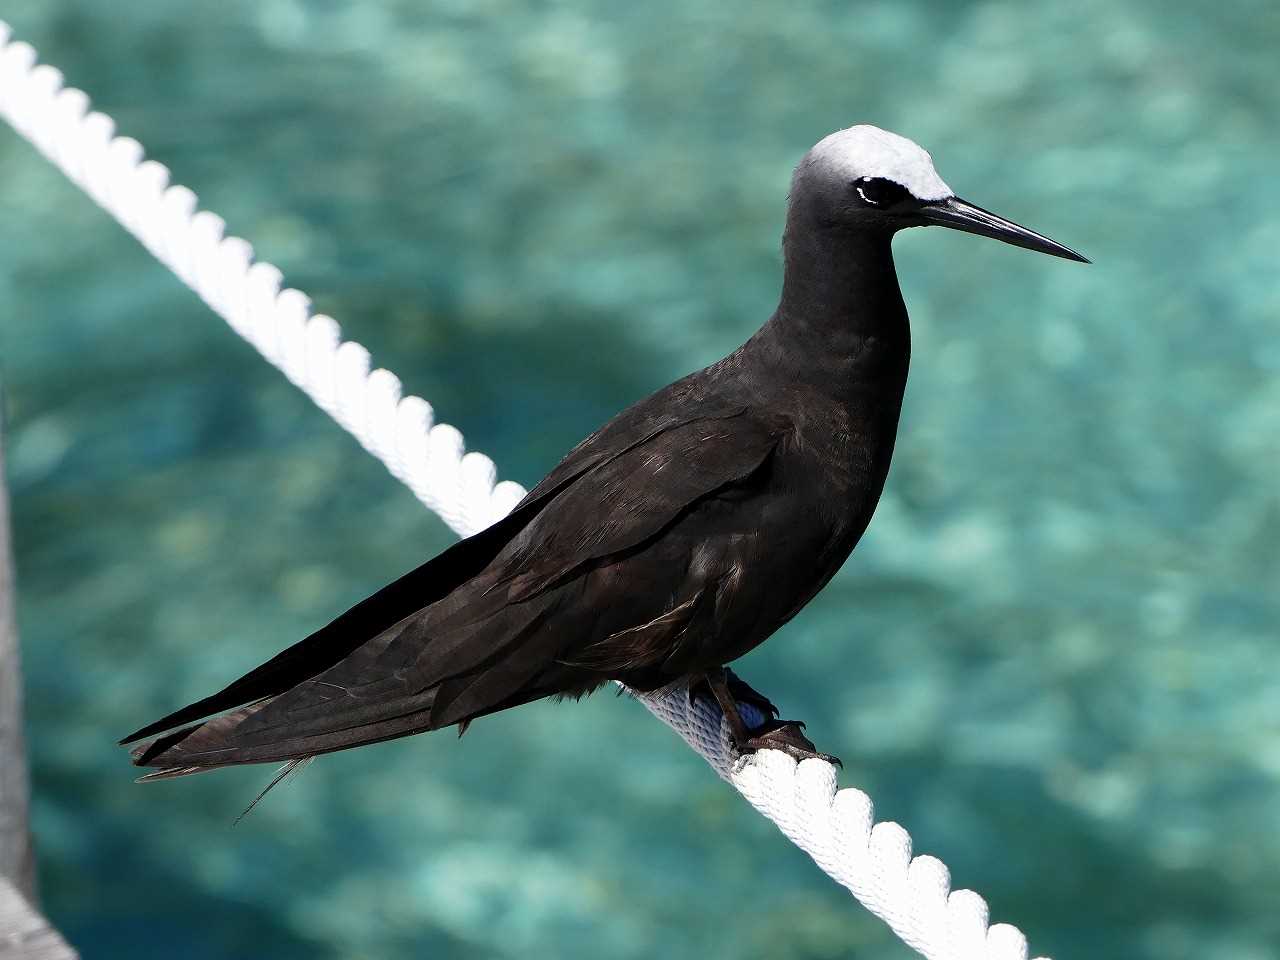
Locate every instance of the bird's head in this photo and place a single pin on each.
(868, 178)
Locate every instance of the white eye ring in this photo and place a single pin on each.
(865, 198)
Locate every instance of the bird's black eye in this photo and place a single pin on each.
(879, 192)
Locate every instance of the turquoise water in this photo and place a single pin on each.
(1053, 658)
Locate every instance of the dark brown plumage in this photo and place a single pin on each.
(673, 540)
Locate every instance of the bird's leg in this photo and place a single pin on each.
(743, 692)
(717, 682)
(739, 690)
(774, 734)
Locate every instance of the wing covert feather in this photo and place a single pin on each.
(497, 637)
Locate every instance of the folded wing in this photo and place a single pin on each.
(514, 613)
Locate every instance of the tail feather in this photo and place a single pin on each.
(378, 693)
(288, 769)
(169, 773)
(219, 743)
(330, 645)
(463, 635)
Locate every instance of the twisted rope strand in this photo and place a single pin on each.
(835, 827)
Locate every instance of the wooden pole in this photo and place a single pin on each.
(17, 856)
(24, 933)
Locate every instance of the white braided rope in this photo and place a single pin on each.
(836, 828)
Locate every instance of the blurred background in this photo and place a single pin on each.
(1053, 657)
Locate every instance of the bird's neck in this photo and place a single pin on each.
(840, 299)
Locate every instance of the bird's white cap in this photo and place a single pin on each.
(867, 151)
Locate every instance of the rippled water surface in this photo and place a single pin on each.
(1053, 658)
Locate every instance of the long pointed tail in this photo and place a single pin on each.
(223, 742)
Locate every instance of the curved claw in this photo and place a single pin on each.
(786, 735)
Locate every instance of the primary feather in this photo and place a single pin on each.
(534, 606)
(670, 542)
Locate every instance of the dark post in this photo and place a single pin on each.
(24, 933)
(17, 859)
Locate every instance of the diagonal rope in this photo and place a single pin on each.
(835, 827)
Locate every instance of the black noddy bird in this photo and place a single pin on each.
(667, 544)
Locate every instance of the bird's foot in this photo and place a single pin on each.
(739, 689)
(787, 736)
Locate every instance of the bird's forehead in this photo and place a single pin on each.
(867, 151)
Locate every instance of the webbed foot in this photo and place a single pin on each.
(787, 736)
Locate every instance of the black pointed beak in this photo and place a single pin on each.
(963, 215)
